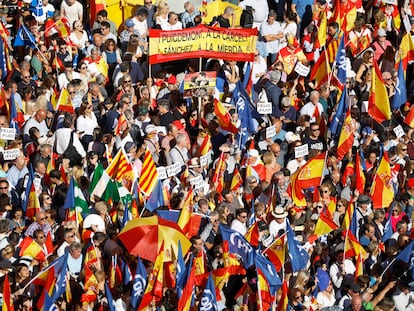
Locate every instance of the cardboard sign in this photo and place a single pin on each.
(162, 173)
(11, 154)
(270, 131)
(8, 133)
(301, 151)
(301, 69)
(399, 132)
(173, 169)
(264, 108)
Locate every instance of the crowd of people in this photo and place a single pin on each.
(80, 93)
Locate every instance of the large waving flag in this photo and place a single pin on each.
(346, 139)
(379, 103)
(121, 170)
(322, 30)
(340, 61)
(310, 175)
(186, 299)
(236, 181)
(295, 191)
(324, 225)
(139, 284)
(321, 70)
(149, 175)
(348, 217)
(238, 245)
(283, 304)
(268, 281)
(208, 300)
(276, 253)
(24, 37)
(64, 102)
(352, 248)
(400, 96)
(28, 247)
(298, 256)
(406, 50)
(224, 118)
(242, 103)
(382, 191)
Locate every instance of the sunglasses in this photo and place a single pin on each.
(128, 81)
(4, 188)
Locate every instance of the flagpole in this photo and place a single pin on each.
(346, 238)
(387, 267)
(37, 275)
(259, 293)
(274, 242)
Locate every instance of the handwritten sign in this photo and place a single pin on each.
(205, 159)
(301, 69)
(399, 132)
(270, 131)
(264, 108)
(173, 169)
(8, 133)
(301, 151)
(162, 173)
(393, 2)
(11, 154)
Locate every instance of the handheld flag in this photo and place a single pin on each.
(400, 96)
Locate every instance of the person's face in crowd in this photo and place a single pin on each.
(94, 160)
(148, 4)
(325, 192)
(104, 30)
(173, 19)
(387, 78)
(370, 232)
(356, 303)
(340, 207)
(24, 272)
(315, 98)
(229, 198)
(4, 187)
(198, 245)
(18, 215)
(70, 2)
(47, 201)
(63, 49)
(71, 91)
(242, 217)
(26, 77)
(372, 158)
(392, 160)
(315, 131)
(271, 20)
(41, 168)
(94, 54)
(100, 19)
(253, 183)
(141, 17)
(145, 93)
(76, 253)
(203, 208)
(46, 152)
(97, 40)
(40, 237)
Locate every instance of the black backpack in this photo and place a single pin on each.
(246, 18)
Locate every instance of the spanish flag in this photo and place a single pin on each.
(185, 216)
(7, 301)
(346, 138)
(283, 304)
(224, 117)
(184, 303)
(122, 120)
(236, 181)
(91, 286)
(349, 213)
(352, 247)
(30, 248)
(310, 174)
(321, 70)
(409, 118)
(406, 50)
(206, 145)
(359, 174)
(324, 225)
(382, 192)
(64, 104)
(295, 191)
(359, 267)
(276, 253)
(379, 104)
(323, 27)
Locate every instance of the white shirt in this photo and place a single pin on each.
(403, 302)
(87, 124)
(32, 122)
(309, 109)
(261, 9)
(168, 26)
(336, 273)
(275, 227)
(238, 226)
(61, 139)
(273, 29)
(72, 12)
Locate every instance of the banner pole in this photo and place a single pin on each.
(200, 61)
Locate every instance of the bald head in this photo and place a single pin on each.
(40, 115)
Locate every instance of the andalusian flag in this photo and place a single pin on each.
(346, 138)
(379, 104)
(382, 192)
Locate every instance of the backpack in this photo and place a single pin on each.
(246, 18)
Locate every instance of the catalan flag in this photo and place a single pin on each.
(346, 139)
(224, 117)
(379, 104)
(121, 170)
(382, 192)
(149, 174)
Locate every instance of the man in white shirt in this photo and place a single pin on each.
(140, 22)
(37, 121)
(239, 223)
(173, 23)
(310, 108)
(271, 32)
(72, 10)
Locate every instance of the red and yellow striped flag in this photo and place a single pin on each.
(224, 118)
(382, 192)
(121, 169)
(236, 181)
(406, 50)
(149, 175)
(122, 120)
(324, 225)
(206, 145)
(346, 138)
(7, 300)
(359, 174)
(64, 103)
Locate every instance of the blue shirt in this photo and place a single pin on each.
(301, 6)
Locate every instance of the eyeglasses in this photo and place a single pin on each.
(319, 207)
(324, 191)
(148, 2)
(394, 210)
(298, 297)
(44, 218)
(63, 47)
(84, 67)
(174, 19)
(194, 115)
(72, 92)
(315, 130)
(25, 77)
(253, 182)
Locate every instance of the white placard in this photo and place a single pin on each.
(270, 131)
(399, 132)
(301, 69)
(264, 108)
(37, 182)
(393, 2)
(301, 151)
(11, 154)
(205, 159)
(162, 173)
(197, 182)
(161, 130)
(174, 169)
(8, 133)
